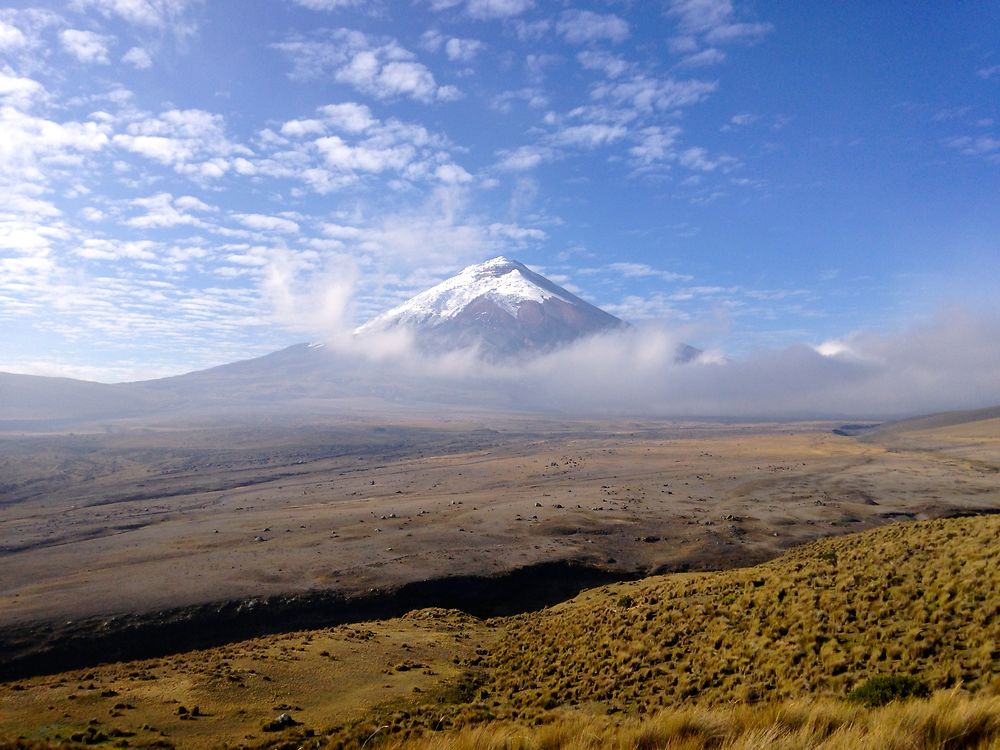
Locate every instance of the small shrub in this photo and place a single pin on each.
(625, 601)
(884, 689)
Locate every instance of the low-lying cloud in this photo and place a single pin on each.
(950, 361)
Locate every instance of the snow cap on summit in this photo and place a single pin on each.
(501, 305)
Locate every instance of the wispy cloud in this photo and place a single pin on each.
(326, 5)
(984, 146)
(710, 23)
(85, 46)
(582, 26)
(173, 15)
(377, 66)
(138, 58)
(491, 9)
(192, 141)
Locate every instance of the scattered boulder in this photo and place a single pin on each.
(283, 721)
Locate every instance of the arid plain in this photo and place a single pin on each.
(94, 525)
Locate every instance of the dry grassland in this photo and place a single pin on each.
(749, 658)
(225, 696)
(947, 721)
(920, 599)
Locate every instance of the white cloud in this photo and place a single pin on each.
(17, 91)
(431, 239)
(138, 58)
(490, 9)
(698, 158)
(85, 46)
(643, 270)
(936, 366)
(989, 72)
(523, 158)
(162, 211)
(516, 233)
(378, 67)
(326, 4)
(298, 128)
(530, 31)
(192, 141)
(646, 93)
(682, 45)
(714, 21)
(981, 145)
(532, 96)
(348, 116)
(264, 223)
(654, 307)
(452, 174)
(743, 118)
(164, 150)
(11, 37)
(302, 299)
(705, 58)
(340, 231)
(462, 50)
(611, 65)
(153, 14)
(190, 203)
(432, 40)
(835, 348)
(696, 16)
(739, 32)
(365, 146)
(344, 157)
(108, 249)
(582, 26)
(33, 149)
(590, 135)
(655, 144)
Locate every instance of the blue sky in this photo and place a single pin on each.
(188, 183)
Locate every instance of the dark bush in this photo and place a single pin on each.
(877, 691)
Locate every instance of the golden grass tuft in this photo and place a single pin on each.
(949, 720)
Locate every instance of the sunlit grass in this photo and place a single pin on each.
(909, 599)
(763, 657)
(948, 720)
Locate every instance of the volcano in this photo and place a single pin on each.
(500, 307)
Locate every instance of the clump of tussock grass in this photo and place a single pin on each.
(887, 688)
(949, 720)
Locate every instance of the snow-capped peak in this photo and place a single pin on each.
(505, 282)
(501, 308)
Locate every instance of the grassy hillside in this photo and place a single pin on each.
(940, 421)
(920, 599)
(758, 657)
